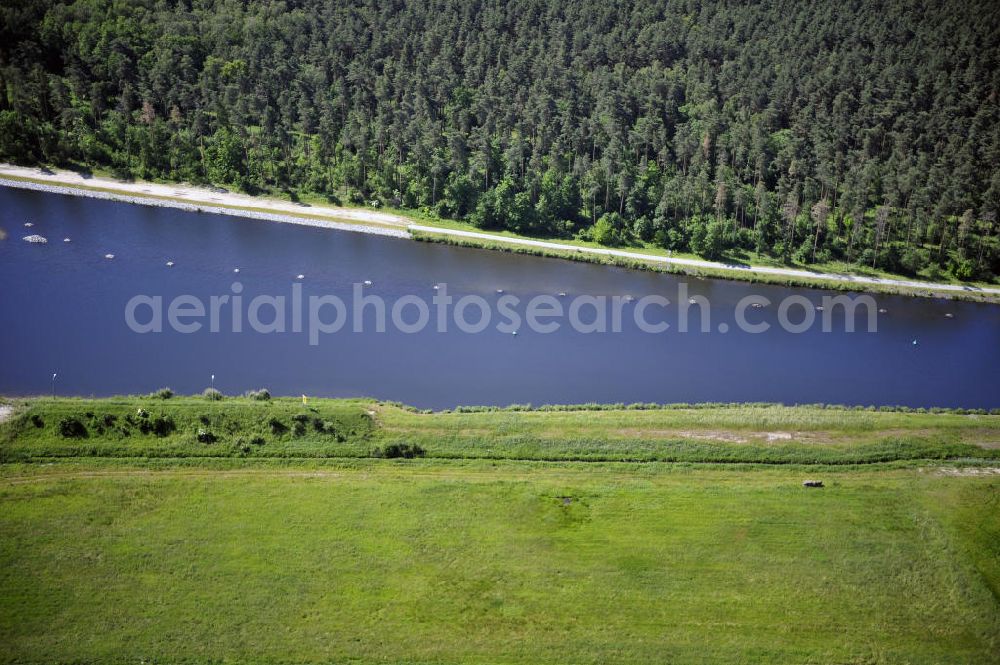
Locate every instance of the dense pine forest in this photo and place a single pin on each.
(858, 132)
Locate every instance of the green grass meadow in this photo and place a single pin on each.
(108, 555)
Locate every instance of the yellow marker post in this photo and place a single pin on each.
(305, 401)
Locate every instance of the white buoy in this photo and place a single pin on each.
(499, 290)
(28, 225)
(562, 294)
(66, 240)
(170, 264)
(692, 301)
(368, 282)
(949, 315)
(914, 342)
(109, 256)
(629, 298)
(300, 277)
(819, 307)
(882, 310)
(513, 332)
(236, 270)
(436, 287)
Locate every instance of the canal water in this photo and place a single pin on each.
(63, 310)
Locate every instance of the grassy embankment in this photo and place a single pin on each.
(818, 282)
(767, 434)
(143, 548)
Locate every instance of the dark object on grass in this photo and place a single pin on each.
(37, 421)
(204, 436)
(812, 483)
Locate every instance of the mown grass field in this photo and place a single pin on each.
(109, 555)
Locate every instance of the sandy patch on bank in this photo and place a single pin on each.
(728, 436)
(204, 199)
(970, 471)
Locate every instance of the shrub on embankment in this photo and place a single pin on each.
(184, 427)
